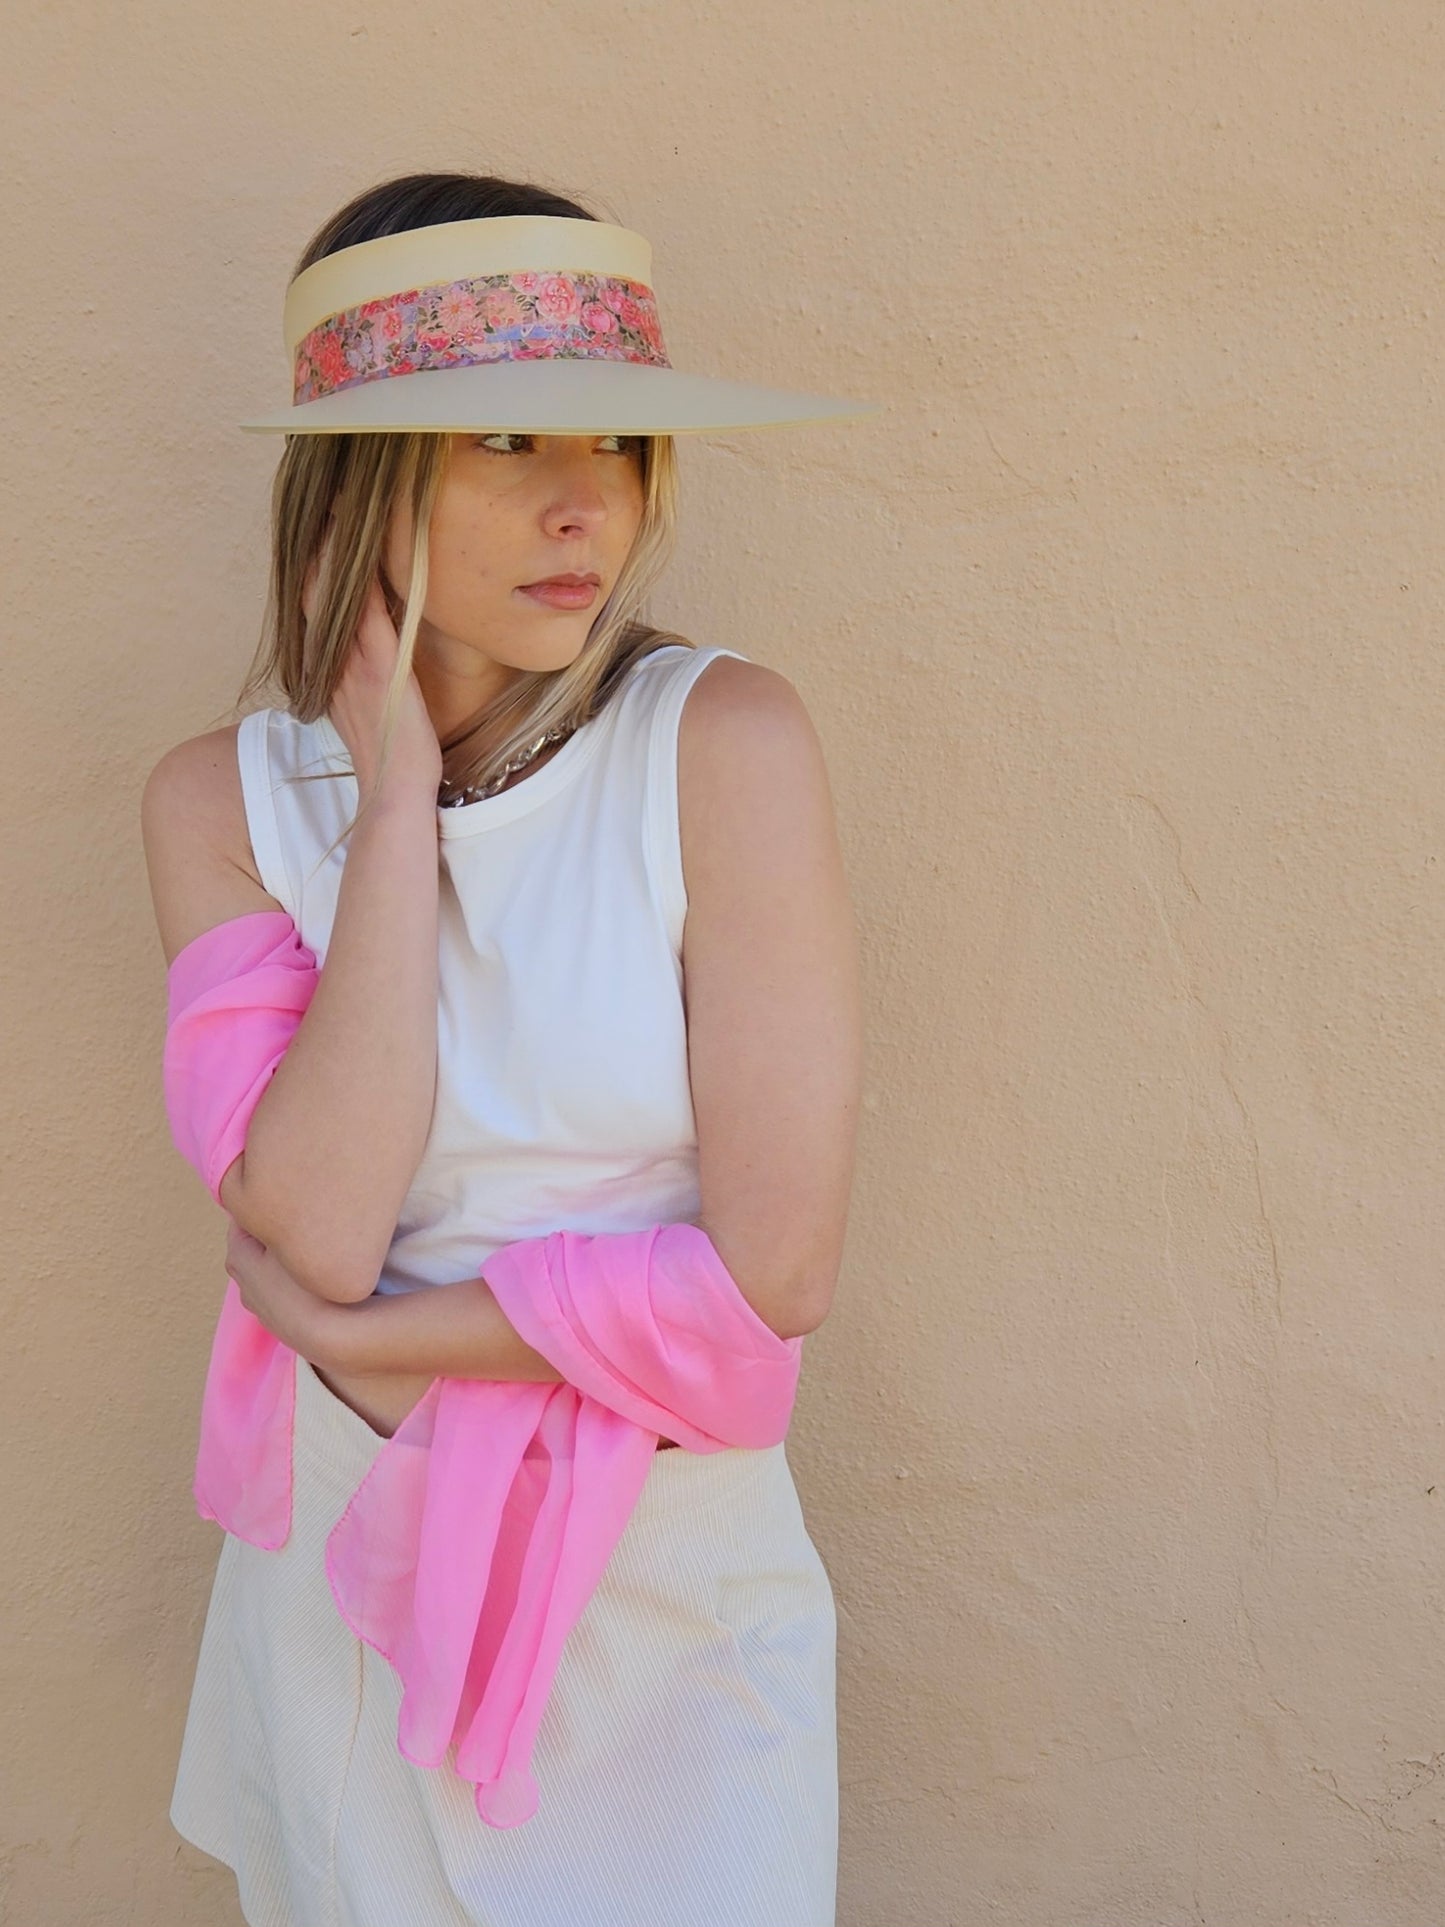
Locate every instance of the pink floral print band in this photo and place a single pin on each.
(485, 317)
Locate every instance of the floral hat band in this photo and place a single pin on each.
(481, 318)
(529, 323)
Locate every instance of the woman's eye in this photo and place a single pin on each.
(612, 444)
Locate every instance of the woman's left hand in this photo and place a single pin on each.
(284, 1306)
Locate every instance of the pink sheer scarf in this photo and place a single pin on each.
(471, 1547)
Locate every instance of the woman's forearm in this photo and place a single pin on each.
(338, 1133)
(441, 1331)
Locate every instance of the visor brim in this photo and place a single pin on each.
(556, 397)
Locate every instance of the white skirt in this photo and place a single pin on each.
(686, 1762)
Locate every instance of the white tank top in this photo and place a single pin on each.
(562, 1100)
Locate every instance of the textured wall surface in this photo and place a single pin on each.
(1123, 1443)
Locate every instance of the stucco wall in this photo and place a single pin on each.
(1123, 1443)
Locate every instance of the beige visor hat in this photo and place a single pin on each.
(532, 323)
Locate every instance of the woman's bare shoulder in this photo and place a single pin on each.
(753, 788)
(197, 844)
(737, 705)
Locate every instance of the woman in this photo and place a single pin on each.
(589, 962)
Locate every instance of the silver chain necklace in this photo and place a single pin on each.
(473, 792)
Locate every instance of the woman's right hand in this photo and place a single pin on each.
(357, 702)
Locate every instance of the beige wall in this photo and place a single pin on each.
(1124, 1441)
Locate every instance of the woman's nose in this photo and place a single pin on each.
(577, 497)
(576, 508)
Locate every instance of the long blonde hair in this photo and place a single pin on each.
(353, 483)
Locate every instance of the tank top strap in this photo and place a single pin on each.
(252, 754)
(662, 830)
(290, 820)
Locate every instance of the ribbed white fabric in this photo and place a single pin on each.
(687, 1759)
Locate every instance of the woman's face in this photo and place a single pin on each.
(512, 510)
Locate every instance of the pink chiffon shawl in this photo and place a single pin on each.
(469, 1550)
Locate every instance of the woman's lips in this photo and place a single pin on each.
(562, 595)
